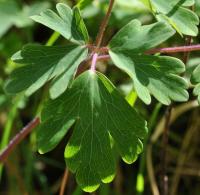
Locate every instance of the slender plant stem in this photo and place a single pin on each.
(180, 49)
(175, 49)
(186, 55)
(64, 182)
(165, 139)
(184, 49)
(84, 65)
(103, 57)
(16, 179)
(100, 49)
(177, 111)
(104, 24)
(140, 175)
(151, 171)
(8, 126)
(94, 61)
(18, 138)
(54, 37)
(184, 151)
(7, 130)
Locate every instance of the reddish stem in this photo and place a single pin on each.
(165, 140)
(186, 55)
(179, 49)
(104, 24)
(64, 182)
(18, 138)
(99, 50)
(94, 61)
(103, 57)
(175, 49)
(160, 50)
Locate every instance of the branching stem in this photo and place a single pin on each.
(181, 49)
(175, 49)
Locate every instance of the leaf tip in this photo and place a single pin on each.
(16, 56)
(90, 189)
(108, 179)
(71, 151)
(40, 151)
(130, 160)
(33, 17)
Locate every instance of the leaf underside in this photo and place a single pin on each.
(99, 113)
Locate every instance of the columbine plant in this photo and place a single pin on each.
(101, 118)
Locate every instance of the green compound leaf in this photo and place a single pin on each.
(154, 75)
(43, 63)
(150, 74)
(100, 113)
(68, 23)
(182, 19)
(138, 38)
(195, 79)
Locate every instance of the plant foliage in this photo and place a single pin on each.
(151, 74)
(176, 13)
(101, 117)
(98, 111)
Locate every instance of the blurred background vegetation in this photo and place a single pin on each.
(27, 172)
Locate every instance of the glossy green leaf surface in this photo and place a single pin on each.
(138, 38)
(150, 74)
(68, 23)
(43, 63)
(98, 113)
